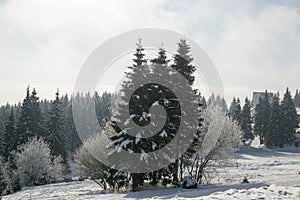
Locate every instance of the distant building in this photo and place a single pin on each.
(257, 95)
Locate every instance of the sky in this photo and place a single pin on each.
(255, 45)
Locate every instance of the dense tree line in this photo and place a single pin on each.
(276, 122)
(215, 101)
(243, 116)
(49, 121)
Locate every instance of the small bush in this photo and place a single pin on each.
(87, 165)
(35, 165)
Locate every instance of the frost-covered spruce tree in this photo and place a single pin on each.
(262, 117)
(137, 73)
(160, 95)
(30, 122)
(183, 64)
(140, 98)
(161, 58)
(55, 129)
(288, 118)
(170, 102)
(246, 122)
(183, 61)
(273, 136)
(158, 65)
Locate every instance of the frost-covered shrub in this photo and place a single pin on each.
(208, 148)
(230, 134)
(35, 164)
(89, 165)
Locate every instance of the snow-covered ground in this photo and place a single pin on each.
(273, 174)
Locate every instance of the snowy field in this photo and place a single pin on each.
(273, 174)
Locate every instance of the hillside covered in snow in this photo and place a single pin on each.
(272, 174)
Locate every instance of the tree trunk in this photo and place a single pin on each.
(137, 179)
(175, 173)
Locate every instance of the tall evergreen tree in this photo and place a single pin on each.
(4, 115)
(203, 102)
(211, 100)
(262, 117)
(30, 123)
(65, 102)
(144, 97)
(223, 105)
(159, 65)
(288, 118)
(73, 141)
(159, 69)
(183, 61)
(273, 136)
(17, 110)
(103, 107)
(138, 71)
(55, 129)
(183, 64)
(246, 121)
(161, 57)
(297, 99)
(235, 110)
(10, 135)
(44, 105)
(218, 101)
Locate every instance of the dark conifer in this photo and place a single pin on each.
(246, 121)
(288, 118)
(10, 136)
(30, 123)
(55, 129)
(273, 136)
(262, 117)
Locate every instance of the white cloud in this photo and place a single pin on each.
(260, 52)
(44, 43)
